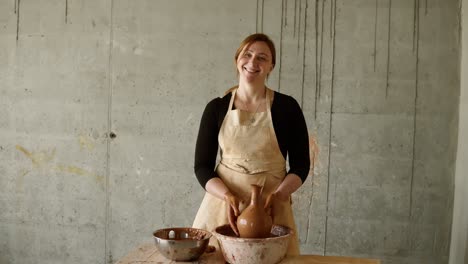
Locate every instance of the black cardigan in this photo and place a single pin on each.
(290, 128)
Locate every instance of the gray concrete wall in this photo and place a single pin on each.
(459, 240)
(378, 82)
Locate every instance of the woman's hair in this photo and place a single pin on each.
(254, 38)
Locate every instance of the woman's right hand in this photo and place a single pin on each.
(232, 208)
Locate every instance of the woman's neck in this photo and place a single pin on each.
(251, 92)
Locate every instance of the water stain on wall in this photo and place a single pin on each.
(44, 159)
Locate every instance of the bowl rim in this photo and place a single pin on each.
(208, 233)
(253, 240)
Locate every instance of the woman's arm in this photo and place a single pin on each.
(207, 144)
(297, 142)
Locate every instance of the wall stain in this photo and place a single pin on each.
(78, 171)
(15, 6)
(314, 151)
(43, 158)
(37, 158)
(85, 143)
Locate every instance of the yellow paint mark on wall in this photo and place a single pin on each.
(44, 158)
(78, 171)
(38, 158)
(85, 143)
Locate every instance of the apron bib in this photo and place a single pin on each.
(250, 154)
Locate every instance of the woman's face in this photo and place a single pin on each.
(255, 62)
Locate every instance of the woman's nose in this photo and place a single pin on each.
(253, 59)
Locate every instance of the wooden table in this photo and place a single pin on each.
(149, 254)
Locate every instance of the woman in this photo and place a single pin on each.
(256, 129)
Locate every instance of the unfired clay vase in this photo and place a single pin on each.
(254, 222)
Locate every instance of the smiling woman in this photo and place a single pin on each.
(256, 129)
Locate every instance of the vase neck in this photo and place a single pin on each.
(255, 194)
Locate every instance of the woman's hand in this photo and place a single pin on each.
(271, 198)
(232, 210)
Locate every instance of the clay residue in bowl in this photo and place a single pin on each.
(182, 233)
(276, 231)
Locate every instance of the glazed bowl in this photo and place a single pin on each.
(181, 243)
(253, 250)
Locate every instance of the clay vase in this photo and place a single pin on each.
(254, 222)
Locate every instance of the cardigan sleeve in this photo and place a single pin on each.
(206, 147)
(297, 140)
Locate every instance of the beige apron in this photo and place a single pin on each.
(250, 154)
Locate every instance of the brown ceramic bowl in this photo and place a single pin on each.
(181, 243)
(253, 250)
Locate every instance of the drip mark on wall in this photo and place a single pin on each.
(388, 46)
(15, 6)
(374, 54)
(313, 153)
(322, 14)
(66, 11)
(299, 28)
(281, 44)
(304, 53)
(17, 20)
(426, 10)
(285, 4)
(415, 23)
(316, 59)
(263, 7)
(415, 111)
(330, 126)
(295, 9)
(332, 26)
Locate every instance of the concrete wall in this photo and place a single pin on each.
(378, 82)
(459, 241)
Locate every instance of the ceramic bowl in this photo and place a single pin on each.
(253, 250)
(181, 243)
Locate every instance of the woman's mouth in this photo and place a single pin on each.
(251, 70)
